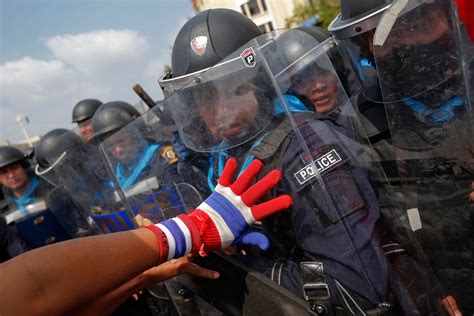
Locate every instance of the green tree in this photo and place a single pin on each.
(327, 10)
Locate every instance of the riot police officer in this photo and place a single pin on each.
(20, 185)
(108, 120)
(229, 106)
(82, 114)
(144, 163)
(420, 65)
(27, 195)
(49, 152)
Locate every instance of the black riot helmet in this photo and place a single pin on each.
(10, 155)
(318, 33)
(84, 110)
(204, 41)
(357, 17)
(53, 145)
(295, 49)
(112, 116)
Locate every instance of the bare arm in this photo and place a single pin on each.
(108, 303)
(34, 282)
(57, 279)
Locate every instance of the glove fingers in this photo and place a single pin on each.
(272, 206)
(259, 189)
(247, 177)
(228, 172)
(254, 239)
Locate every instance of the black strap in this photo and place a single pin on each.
(315, 288)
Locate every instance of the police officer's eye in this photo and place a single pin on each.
(208, 100)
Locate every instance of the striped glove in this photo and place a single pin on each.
(224, 217)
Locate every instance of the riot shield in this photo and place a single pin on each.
(290, 111)
(38, 222)
(85, 178)
(72, 217)
(48, 173)
(426, 87)
(146, 168)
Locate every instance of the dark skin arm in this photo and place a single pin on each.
(65, 277)
(73, 280)
(108, 303)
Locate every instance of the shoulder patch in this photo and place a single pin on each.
(169, 154)
(320, 161)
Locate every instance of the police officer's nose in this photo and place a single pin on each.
(319, 86)
(225, 115)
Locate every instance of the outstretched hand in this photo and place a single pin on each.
(224, 218)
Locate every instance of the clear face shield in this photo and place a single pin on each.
(144, 165)
(354, 39)
(69, 214)
(426, 88)
(49, 173)
(49, 160)
(424, 82)
(292, 112)
(212, 112)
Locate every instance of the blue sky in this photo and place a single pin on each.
(55, 53)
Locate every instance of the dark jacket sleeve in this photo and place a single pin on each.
(11, 244)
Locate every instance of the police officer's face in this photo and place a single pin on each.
(424, 29)
(229, 117)
(124, 150)
(321, 88)
(14, 177)
(85, 128)
(417, 28)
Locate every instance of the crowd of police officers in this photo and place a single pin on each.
(371, 126)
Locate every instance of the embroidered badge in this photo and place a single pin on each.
(169, 154)
(320, 165)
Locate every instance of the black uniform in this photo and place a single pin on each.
(11, 244)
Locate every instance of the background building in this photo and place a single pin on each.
(267, 14)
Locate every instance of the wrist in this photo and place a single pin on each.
(177, 237)
(210, 238)
(163, 243)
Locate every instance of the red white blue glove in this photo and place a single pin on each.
(224, 217)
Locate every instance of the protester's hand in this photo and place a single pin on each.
(174, 267)
(223, 219)
(142, 221)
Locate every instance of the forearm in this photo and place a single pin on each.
(109, 302)
(55, 279)
(59, 278)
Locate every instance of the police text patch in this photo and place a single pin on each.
(321, 164)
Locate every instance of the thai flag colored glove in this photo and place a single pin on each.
(225, 216)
